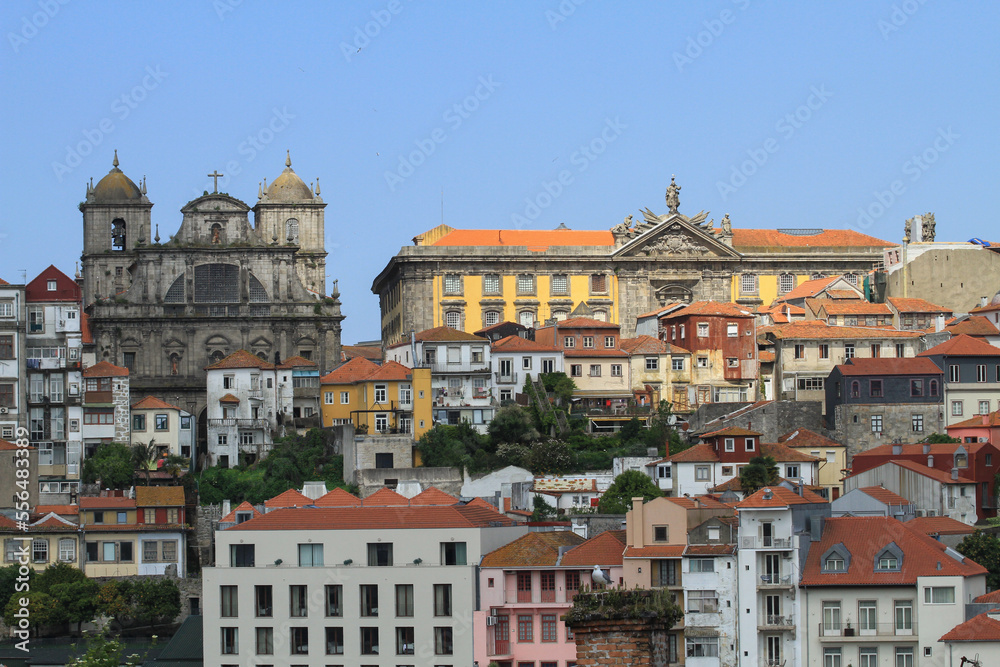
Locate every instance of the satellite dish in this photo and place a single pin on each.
(672, 419)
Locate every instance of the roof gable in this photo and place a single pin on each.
(289, 498)
(385, 497)
(241, 359)
(604, 549)
(673, 237)
(338, 498)
(963, 345)
(352, 370)
(534, 549)
(433, 496)
(104, 369)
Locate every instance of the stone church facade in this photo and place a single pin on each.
(469, 279)
(165, 309)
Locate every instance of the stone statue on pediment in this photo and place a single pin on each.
(673, 196)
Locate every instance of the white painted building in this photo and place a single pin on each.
(515, 360)
(13, 410)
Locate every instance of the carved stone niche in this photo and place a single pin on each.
(672, 292)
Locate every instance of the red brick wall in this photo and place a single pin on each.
(607, 643)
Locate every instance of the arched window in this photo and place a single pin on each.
(526, 318)
(933, 386)
(559, 315)
(292, 230)
(453, 319)
(748, 283)
(855, 389)
(601, 315)
(257, 292)
(786, 283)
(817, 276)
(176, 292)
(215, 357)
(491, 317)
(851, 278)
(118, 234)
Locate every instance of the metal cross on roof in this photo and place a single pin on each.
(215, 177)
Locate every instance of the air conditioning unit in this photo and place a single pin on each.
(918, 513)
(491, 620)
(931, 512)
(982, 439)
(494, 611)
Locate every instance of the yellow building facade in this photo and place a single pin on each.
(387, 398)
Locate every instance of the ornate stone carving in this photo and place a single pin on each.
(673, 243)
(673, 198)
(928, 227)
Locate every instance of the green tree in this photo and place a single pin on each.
(60, 573)
(936, 438)
(113, 601)
(760, 472)
(43, 609)
(176, 465)
(983, 548)
(541, 510)
(631, 431)
(144, 458)
(8, 582)
(112, 465)
(155, 600)
(77, 600)
(512, 423)
(548, 457)
(628, 485)
(561, 386)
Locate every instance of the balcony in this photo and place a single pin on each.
(258, 424)
(840, 633)
(766, 542)
(255, 447)
(775, 581)
(464, 367)
(505, 378)
(771, 623)
(255, 392)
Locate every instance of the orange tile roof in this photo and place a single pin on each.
(963, 345)
(229, 398)
(350, 371)
(661, 551)
(479, 512)
(843, 294)
(242, 507)
(782, 453)
(699, 453)
(241, 359)
(159, 496)
(445, 334)
(914, 305)
(6, 446)
(536, 549)
(993, 597)
(710, 549)
(853, 307)
(990, 420)
(297, 362)
(988, 308)
(807, 289)
(939, 525)
(974, 325)
(585, 323)
(289, 498)
(704, 501)
(58, 509)
(732, 430)
(884, 495)
(433, 496)
(106, 502)
(104, 369)
(533, 239)
(826, 238)
(643, 345)
(803, 437)
(518, 344)
(361, 518)
(54, 523)
(153, 403)
(604, 549)
(765, 356)
(780, 497)
(818, 330)
(7, 523)
(890, 366)
(385, 497)
(370, 352)
(390, 371)
(710, 308)
(980, 628)
(865, 537)
(338, 498)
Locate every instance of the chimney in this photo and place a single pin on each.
(815, 527)
(930, 460)
(225, 507)
(986, 420)
(983, 302)
(927, 448)
(897, 450)
(638, 537)
(939, 322)
(798, 488)
(954, 473)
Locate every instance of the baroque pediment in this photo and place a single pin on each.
(675, 236)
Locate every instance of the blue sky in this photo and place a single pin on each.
(840, 115)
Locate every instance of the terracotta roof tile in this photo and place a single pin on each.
(884, 495)
(297, 362)
(481, 513)
(974, 325)
(242, 507)
(826, 238)
(779, 497)
(604, 549)
(289, 498)
(733, 431)
(241, 359)
(698, 453)
(445, 334)
(433, 496)
(533, 239)
(843, 294)
(890, 366)
(963, 345)
(106, 502)
(54, 523)
(338, 498)
(914, 305)
(385, 497)
(803, 437)
(704, 501)
(812, 329)
(370, 352)
(981, 628)
(153, 403)
(865, 537)
(352, 370)
(643, 345)
(362, 518)
(536, 549)
(229, 398)
(7, 445)
(783, 453)
(58, 509)
(938, 449)
(765, 356)
(390, 371)
(939, 525)
(990, 420)
(710, 308)
(518, 344)
(710, 549)
(993, 597)
(853, 307)
(662, 551)
(104, 369)
(159, 496)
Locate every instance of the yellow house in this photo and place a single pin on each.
(386, 398)
(49, 540)
(831, 454)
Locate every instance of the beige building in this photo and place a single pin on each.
(169, 427)
(832, 458)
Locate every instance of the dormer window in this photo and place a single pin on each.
(836, 559)
(961, 460)
(889, 559)
(243, 516)
(834, 564)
